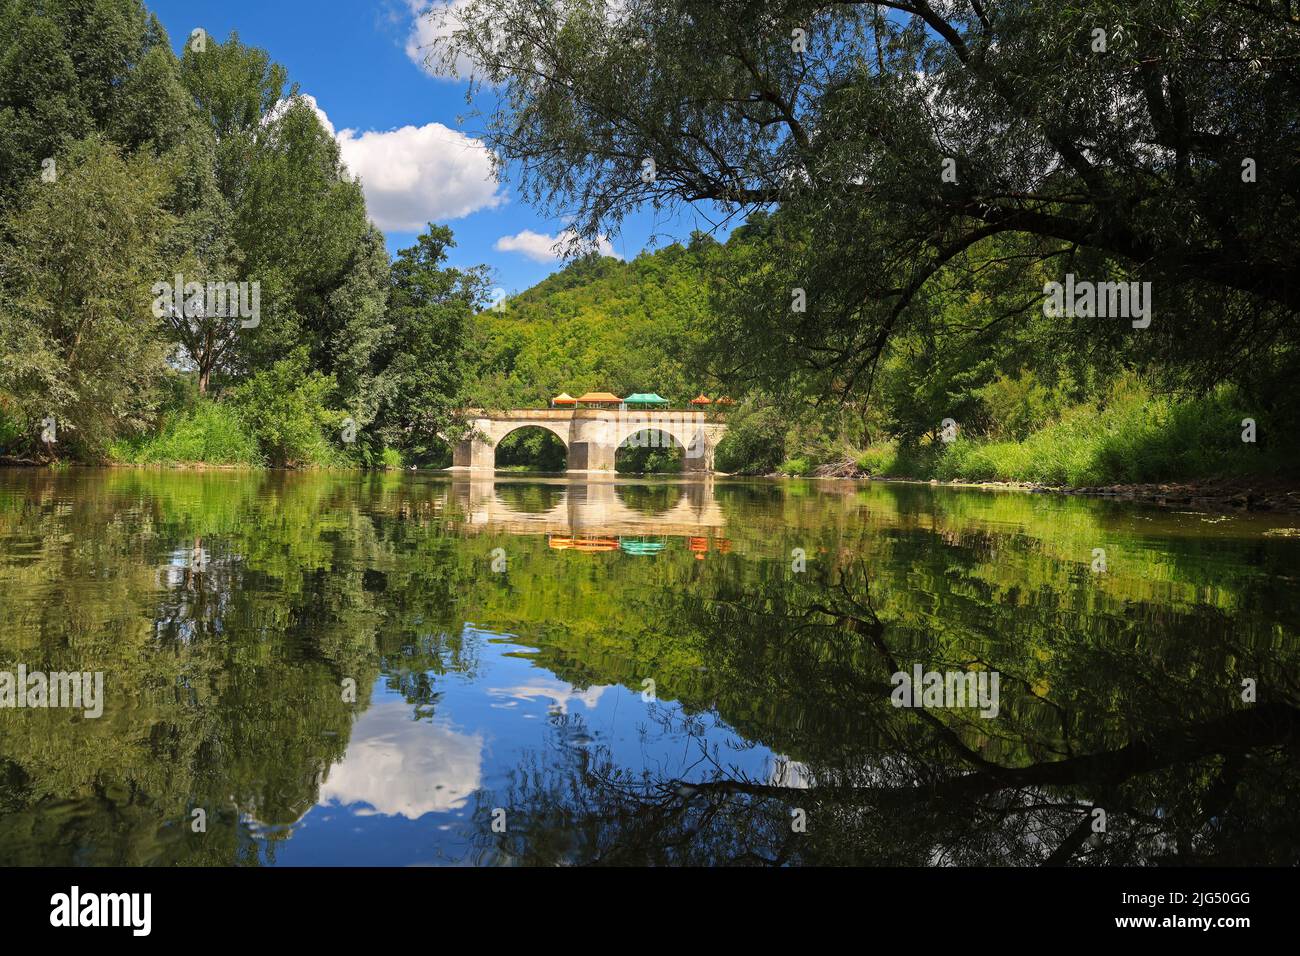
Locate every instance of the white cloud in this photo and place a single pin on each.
(560, 694)
(543, 248)
(431, 19)
(276, 111)
(417, 174)
(404, 767)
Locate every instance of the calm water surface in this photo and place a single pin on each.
(555, 671)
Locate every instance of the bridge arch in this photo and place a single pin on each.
(650, 449)
(532, 446)
(650, 501)
(503, 429)
(531, 501)
(690, 431)
(683, 433)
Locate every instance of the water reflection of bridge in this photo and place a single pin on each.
(585, 508)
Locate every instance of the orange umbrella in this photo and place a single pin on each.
(599, 398)
(564, 398)
(701, 399)
(595, 545)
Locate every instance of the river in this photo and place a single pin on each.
(310, 668)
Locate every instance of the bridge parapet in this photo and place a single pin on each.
(565, 414)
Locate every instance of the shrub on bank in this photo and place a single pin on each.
(279, 416)
(878, 459)
(798, 467)
(1131, 436)
(1017, 407)
(12, 437)
(285, 407)
(754, 443)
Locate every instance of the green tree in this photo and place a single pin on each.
(286, 406)
(851, 132)
(235, 88)
(300, 222)
(246, 186)
(423, 363)
(69, 69)
(358, 328)
(78, 338)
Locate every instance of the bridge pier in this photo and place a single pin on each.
(474, 455)
(591, 445)
(587, 456)
(698, 452)
(701, 464)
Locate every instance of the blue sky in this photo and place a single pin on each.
(398, 127)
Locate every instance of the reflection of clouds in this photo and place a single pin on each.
(558, 692)
(182, 562)
(789, 773)
(403, 767)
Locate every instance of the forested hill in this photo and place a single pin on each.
(1033, 400)
(599, 324)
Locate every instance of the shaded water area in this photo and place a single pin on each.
(558, 671)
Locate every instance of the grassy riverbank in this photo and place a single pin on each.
(1134, 437)
(231, 434)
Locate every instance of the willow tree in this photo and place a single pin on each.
(81, 353)
(1148, 140)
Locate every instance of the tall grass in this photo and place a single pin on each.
(209, 432)
(11, 431)
(1132, 436)
(798, 466)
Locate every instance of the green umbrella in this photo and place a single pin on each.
(645, 398)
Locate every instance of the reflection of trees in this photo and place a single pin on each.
(650, 500)
(223, 674)
(576, 806)
(1185, 772)
(224, 684)
(530, 497)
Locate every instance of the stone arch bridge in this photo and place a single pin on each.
(592, 436)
